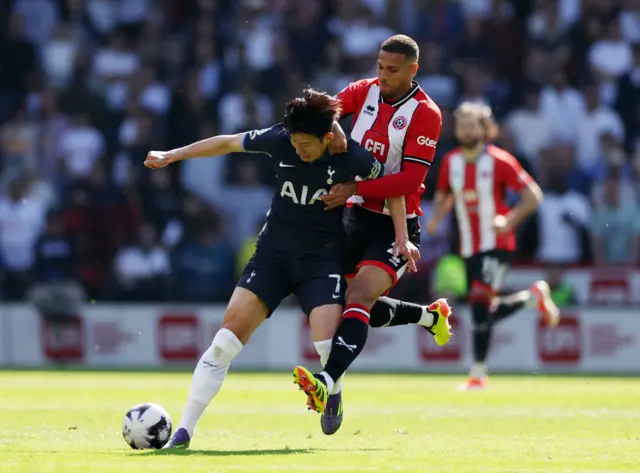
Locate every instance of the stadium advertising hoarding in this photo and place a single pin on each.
(120, 336)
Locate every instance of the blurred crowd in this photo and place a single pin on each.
(87, 87)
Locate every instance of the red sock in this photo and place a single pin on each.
(356, 311)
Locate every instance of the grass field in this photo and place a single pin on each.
(70, 422)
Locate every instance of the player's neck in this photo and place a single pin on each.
(404, 91)
(472, 154)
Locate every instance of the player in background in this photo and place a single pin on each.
(473, 179)
(300, 249)
(400, 125)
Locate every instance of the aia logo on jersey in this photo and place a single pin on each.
(399, 123)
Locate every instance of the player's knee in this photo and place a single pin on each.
(480, 295)
(226, 346)
(324, 321)
(359, 293)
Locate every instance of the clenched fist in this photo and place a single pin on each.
(157, 159)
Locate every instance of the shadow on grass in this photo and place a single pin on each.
(248, 453)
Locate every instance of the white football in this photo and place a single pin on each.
(146, 425)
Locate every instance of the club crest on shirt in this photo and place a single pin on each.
(399, 123)
(330, 172)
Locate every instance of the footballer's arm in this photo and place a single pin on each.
(418, 153)
(442, 205)
(398, 212)
(530, 199)
(210, 147)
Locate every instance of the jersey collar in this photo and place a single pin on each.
(415, 87)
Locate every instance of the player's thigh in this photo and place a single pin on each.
(354, 253)
(320, 283)
(324, 321)
(370, 282)
(379, 254)
(265, 279)
(380, 267)
(245, 312)
(486, 273)
(493, 267)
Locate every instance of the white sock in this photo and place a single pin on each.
(478, 370)
(426, 319)
(324, 348)
(522, 296)
(209, 376)
(329, 380)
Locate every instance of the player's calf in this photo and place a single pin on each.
(244, 314)
(349, 340)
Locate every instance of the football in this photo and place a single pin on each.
(146, 425)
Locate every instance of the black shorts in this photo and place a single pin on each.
(370, 239)
(487, 269)
(315, 280)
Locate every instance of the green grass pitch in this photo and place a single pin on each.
(70, 422)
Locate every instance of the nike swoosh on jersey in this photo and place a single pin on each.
(282, 165)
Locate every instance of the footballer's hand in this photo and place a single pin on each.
(338, 195)
(157, 159)
(501, 224)
(410, 251)
(338, 144)
(432, 226)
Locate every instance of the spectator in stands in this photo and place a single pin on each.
(88, 87)
(564, 213)
(531, 129)
(141, 270)
(628, 99)
(56, 290)
(615, 228)
(598, 119)
(81, 146)
(55, 254)
(21, 223)
(203, 266)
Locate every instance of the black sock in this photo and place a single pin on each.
(387, 312)
(509, 305)
(348, 341)
(482, 325)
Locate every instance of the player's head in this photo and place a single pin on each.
(474, 124)
(308, 120)
(397, 65)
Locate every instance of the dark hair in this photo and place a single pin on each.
(313, 113)
(402, 44)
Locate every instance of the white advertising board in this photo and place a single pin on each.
(120, 336)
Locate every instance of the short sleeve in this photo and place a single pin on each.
(267, 140)
(423, 134)
(512, 173)
(363, 164)
(352, 96)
